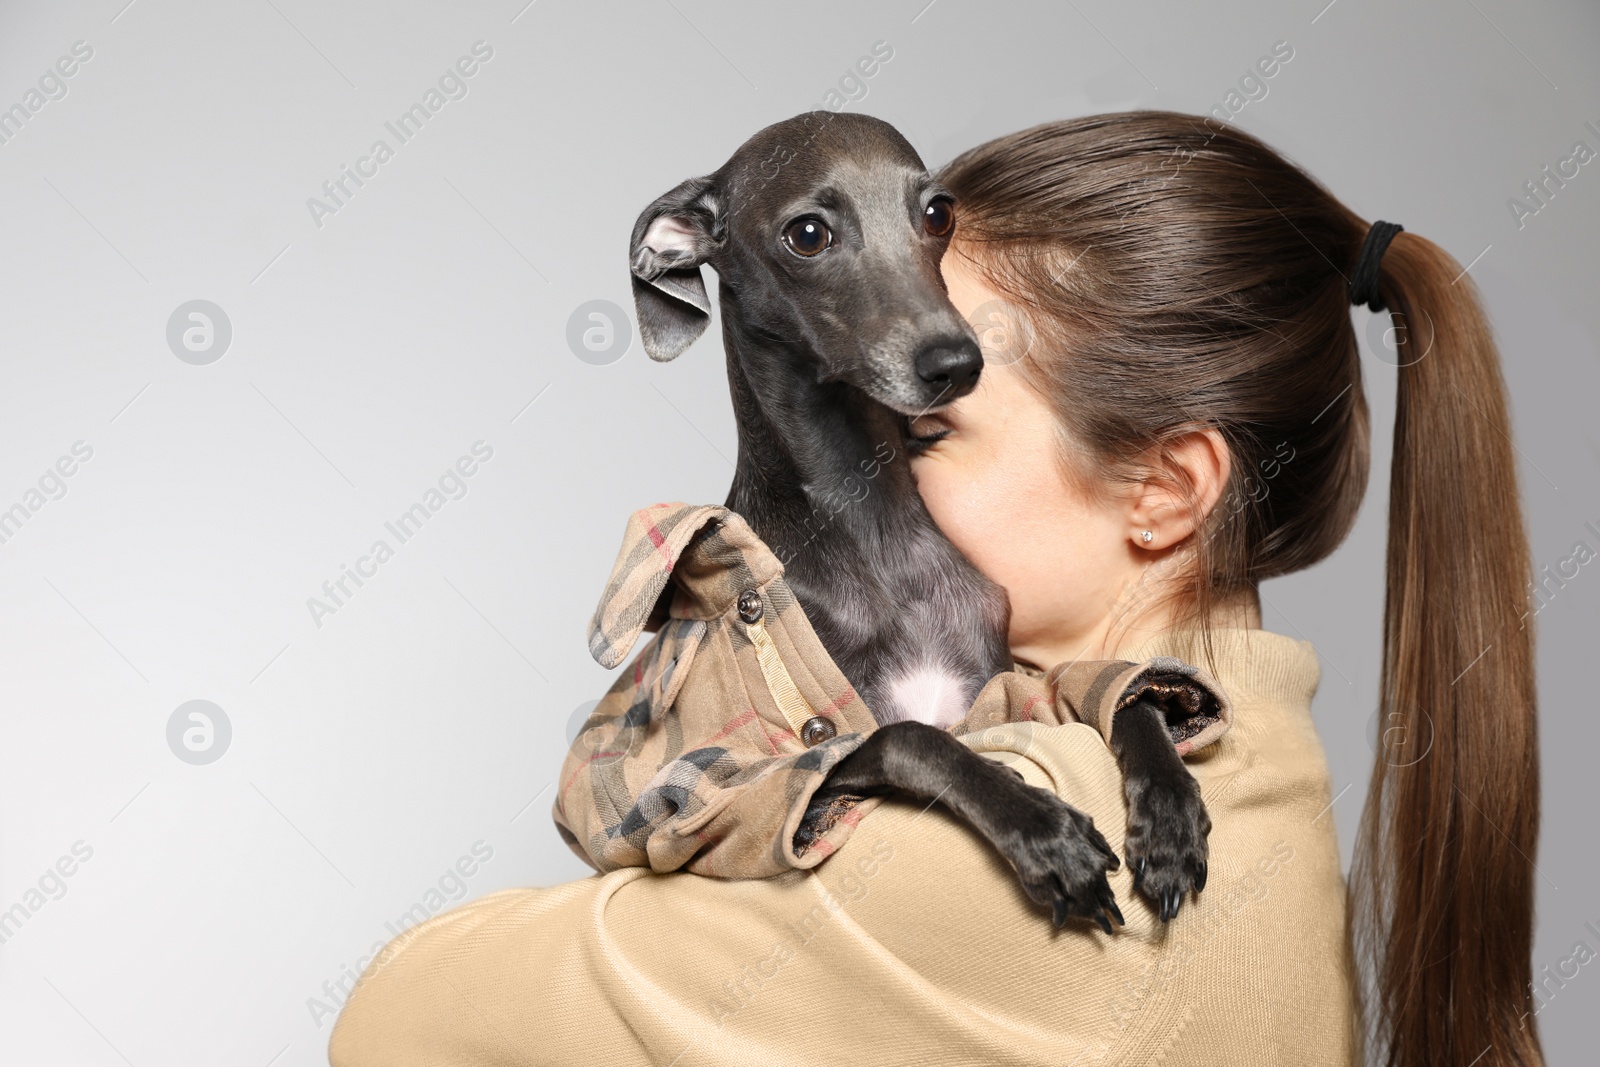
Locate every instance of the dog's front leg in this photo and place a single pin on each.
(1059, 856)
(1167, 820)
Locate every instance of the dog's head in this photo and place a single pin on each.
(826, 231)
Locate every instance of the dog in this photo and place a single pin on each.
(826, 232)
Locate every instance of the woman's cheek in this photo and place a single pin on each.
(945, 492)
(971, 510)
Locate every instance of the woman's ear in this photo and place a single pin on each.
(1199, 459)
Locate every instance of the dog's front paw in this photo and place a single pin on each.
(1166, 843)
(1061, 859)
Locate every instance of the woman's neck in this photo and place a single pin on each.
(1113, 636)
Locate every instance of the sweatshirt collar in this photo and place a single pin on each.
(1260, 663)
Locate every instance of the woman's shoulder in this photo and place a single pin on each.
(1275, 875)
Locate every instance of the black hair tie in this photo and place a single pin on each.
(1364, 282)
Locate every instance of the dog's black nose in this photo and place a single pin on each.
(955, 365)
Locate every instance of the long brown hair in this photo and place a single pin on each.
(1172, 273)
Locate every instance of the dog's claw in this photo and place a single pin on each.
(1059, 912)
(1200, 879)
(1108, 903)
(1105, 923)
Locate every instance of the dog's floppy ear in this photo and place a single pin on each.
(676, 233)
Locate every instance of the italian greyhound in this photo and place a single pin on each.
(826, 232)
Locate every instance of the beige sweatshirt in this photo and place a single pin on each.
(913, 944)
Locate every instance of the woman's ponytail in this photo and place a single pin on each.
(1443, 879)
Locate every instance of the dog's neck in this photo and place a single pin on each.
(819, 463)
(824, 478)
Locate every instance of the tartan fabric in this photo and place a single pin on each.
(694, 758)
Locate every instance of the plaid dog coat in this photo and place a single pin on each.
(705, 753)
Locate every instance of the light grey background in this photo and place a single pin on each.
(429, 713)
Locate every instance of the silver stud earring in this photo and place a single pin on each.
(1147, 537)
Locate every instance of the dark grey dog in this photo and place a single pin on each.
(826, 233)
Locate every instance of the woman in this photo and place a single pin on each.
(1171, 411)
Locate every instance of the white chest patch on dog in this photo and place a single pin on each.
(928, 693)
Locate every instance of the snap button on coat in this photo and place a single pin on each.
(750, 606)
(817, 730)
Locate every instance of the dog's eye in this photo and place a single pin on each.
(939, 217)
(807, 237)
